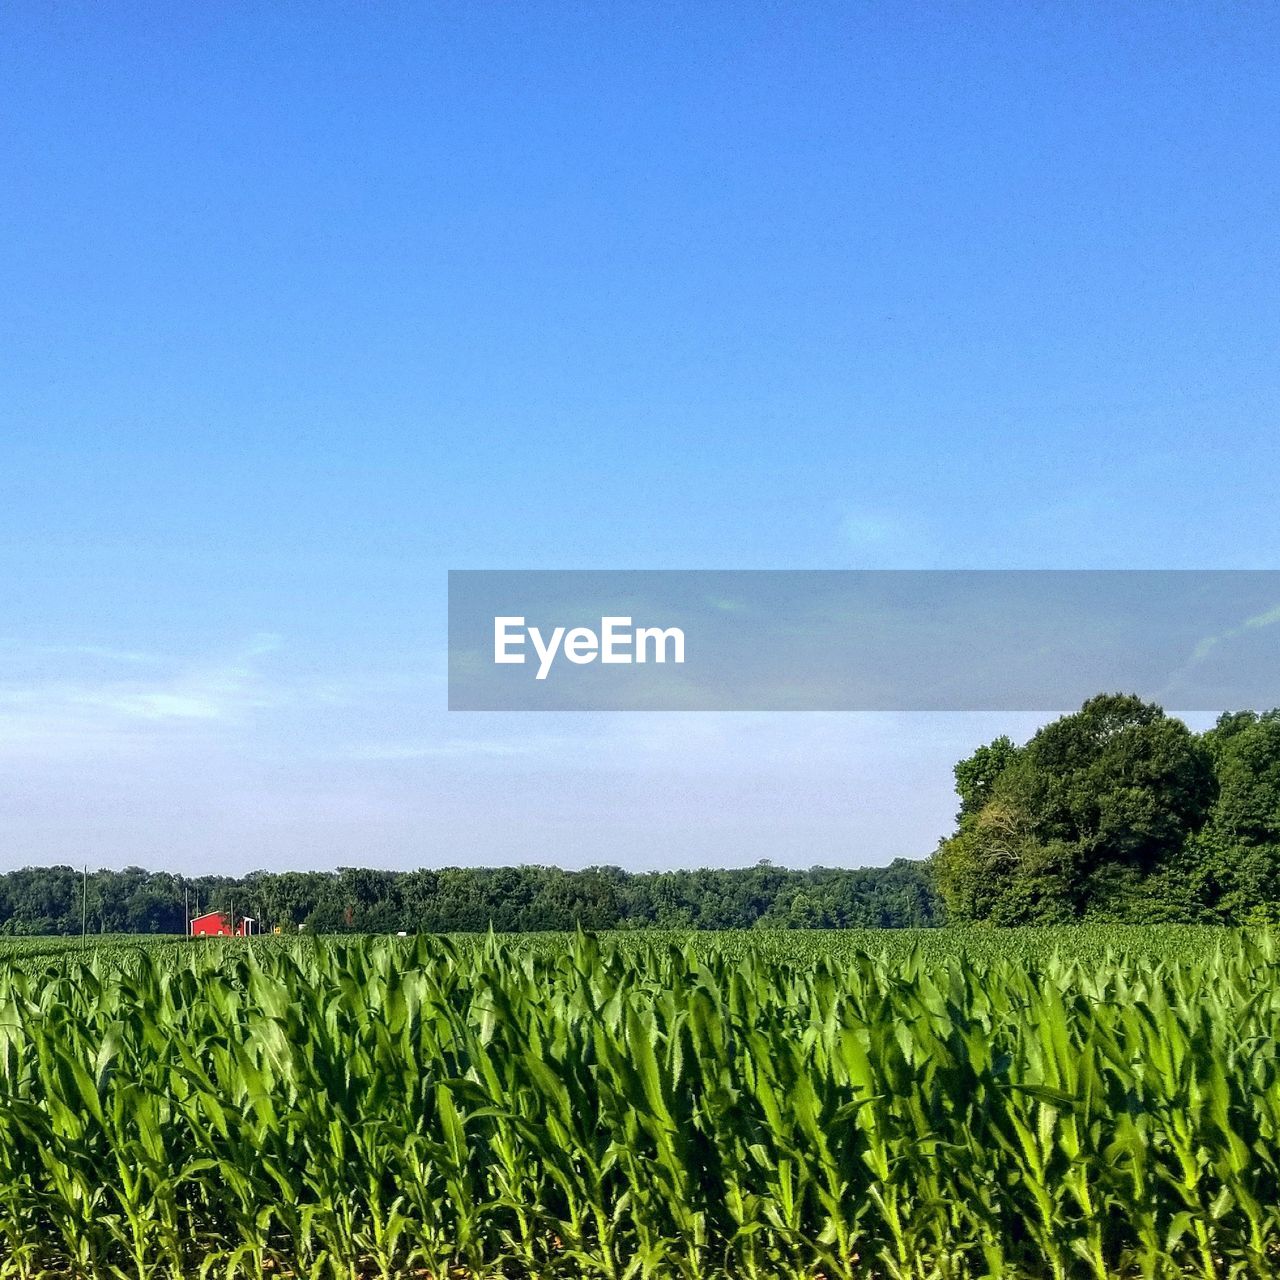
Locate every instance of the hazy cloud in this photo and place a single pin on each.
(80, 698)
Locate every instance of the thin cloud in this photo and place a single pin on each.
(1203, 648)
(99, 653)
(453, 749)
(867, 530)
(1209, 643)
(44, 707)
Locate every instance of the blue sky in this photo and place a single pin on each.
(301, 306)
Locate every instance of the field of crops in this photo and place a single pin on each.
(1088, 944)
(1100, 1104)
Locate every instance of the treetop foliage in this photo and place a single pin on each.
(1119, 812)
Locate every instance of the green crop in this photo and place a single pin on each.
(1100, 1104)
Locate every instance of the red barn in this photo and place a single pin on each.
(213, 924)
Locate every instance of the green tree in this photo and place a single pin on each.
(1234, 862)
(976, 776)
(1080, 821)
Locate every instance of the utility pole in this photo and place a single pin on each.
(84, 909)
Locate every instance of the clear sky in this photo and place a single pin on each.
(303, 305)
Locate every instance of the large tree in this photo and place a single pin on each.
(1078, 822)
(1233, 864)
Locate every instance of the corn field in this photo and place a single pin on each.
(656, 1108)
(1089, 943)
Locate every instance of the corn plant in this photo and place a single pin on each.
(1014, 1106)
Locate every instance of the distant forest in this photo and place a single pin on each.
(1117, 812)
(48, 900)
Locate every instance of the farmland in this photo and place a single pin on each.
(1094, 1103)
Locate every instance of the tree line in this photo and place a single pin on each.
(51, 900)
(1119, 812)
